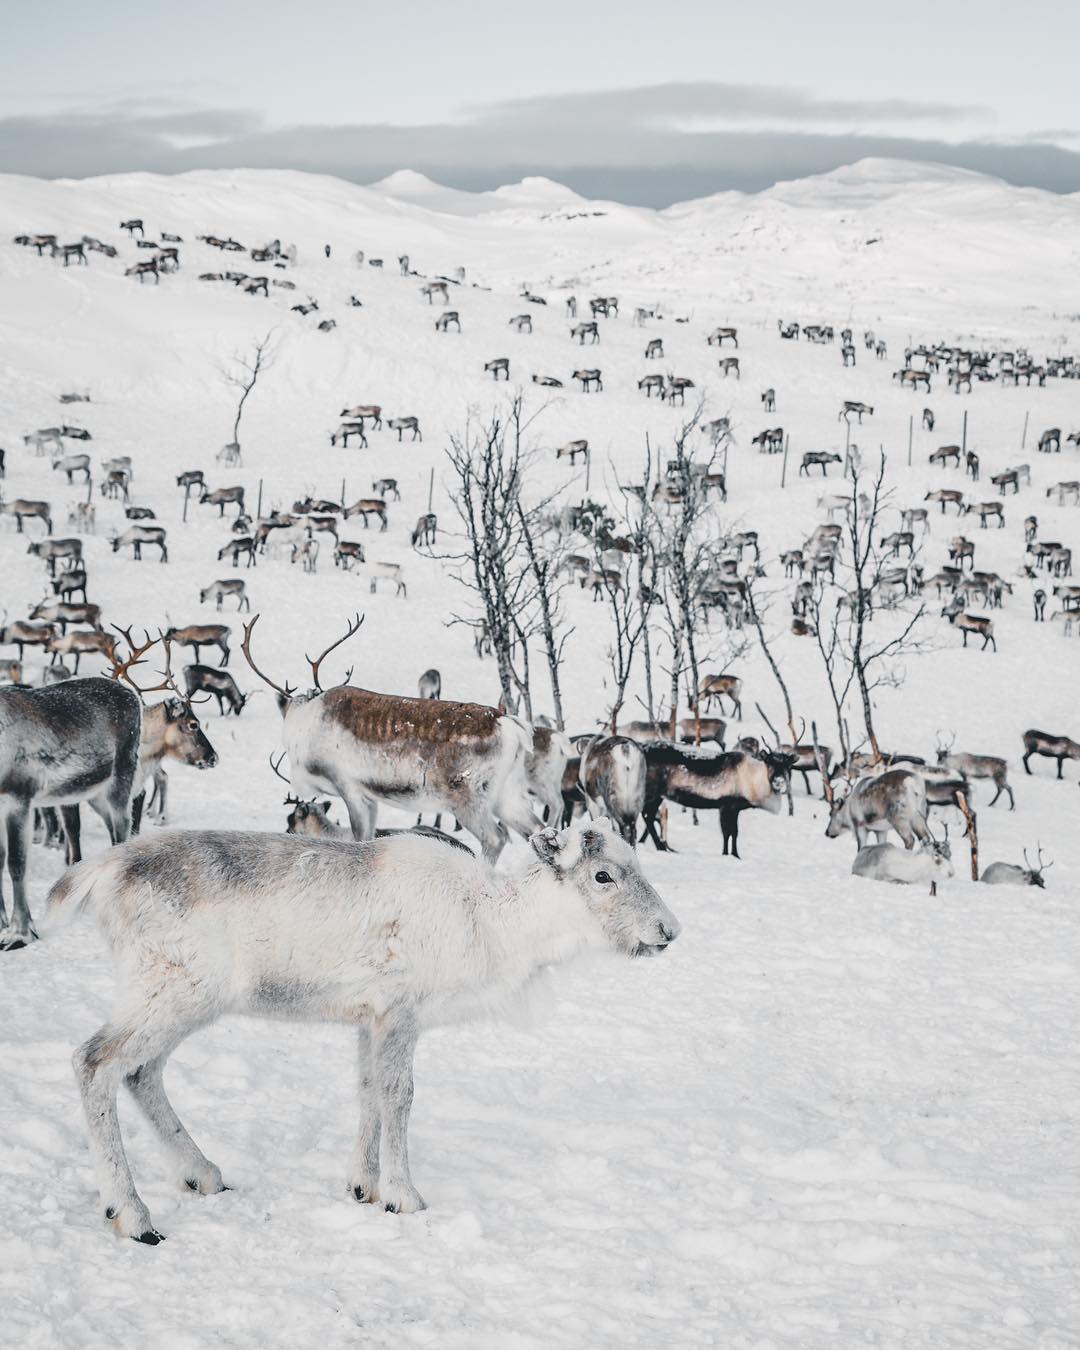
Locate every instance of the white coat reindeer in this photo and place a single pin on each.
(391, 936)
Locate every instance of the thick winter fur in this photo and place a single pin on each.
(61, 745)
(613, 776)
(886, 862)
(420, 754)
(391, 936)
(895, 800)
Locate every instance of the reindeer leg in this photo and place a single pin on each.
(193, 1169)
(394, 1044)
(364, 1169)
(72, 830)
(20, 931)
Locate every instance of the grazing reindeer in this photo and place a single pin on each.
(430, 684)
(347, 429)
(895, 800)
(448, 317)
(70, 742)
(1050, 441)
(199, 635)
(719, 687)
(677, 385)
(424, 532)
(1009, 874)
(521, 323)
(573, 449)
(500, 365)
(346, 552)
(944, 454)
(654, 349)
(730, 782)
(368, 506)
(928, 419)
(222, 497)
(719, 336)
(728, 365)
(142, 270)
(383, 487)
(23, 509)
(898, 540)
(962, 550)
(220, 589)
(235, 547)
(218, 683)
(885, 862)
(78, 643)
(1060, 748)
(138, 535)
(467, 939)
(403, 424)
(366, 747)
(116, 484)
(434, 288)
(970, 623)
(651, 382)
(364, 412)
(612, 774)
(975, 766)
(860, 409)
(588, 378)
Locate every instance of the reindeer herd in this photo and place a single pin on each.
(355, 923)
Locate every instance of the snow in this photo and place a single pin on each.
(835, 1113)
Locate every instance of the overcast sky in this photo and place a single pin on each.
(644, 102)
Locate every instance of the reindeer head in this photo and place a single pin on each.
(944, 746)
(1033, 876)
(603, 870)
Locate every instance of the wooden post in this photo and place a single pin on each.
(783, 467)
(258, 509)
(972, 832)
(1023, 438)
(963, 438)
(847, 447)
(342, 497)
(588, 470)
(187, 494)
(910, 436)
(431, 489)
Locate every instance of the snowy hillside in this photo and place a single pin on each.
(835, 1113)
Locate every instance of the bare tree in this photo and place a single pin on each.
(243, 374)
(853, 661)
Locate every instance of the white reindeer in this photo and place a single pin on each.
(885, 862)
(392, 936)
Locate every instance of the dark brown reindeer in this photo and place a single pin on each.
(218, 684)
(70, 583)
(1043, 743)
(366, 747)
(70, 742)
(235, 548)
(818, 459)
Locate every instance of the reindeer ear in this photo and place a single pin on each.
(547, 846)
(325, 806)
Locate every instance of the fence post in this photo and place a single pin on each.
(258, 509)
(783, 469)
(910, 436)
(1023, 438)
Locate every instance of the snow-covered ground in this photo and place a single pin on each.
(834, 1114)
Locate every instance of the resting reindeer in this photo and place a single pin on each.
(417, 754)
(885, 862)
(1010, 874)
(409, 934)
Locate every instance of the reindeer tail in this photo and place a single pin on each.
(76, 890)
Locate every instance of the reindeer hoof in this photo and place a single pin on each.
(365, 1195)
(150, 1238)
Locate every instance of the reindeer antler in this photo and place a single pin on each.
(819, 760)
(137, 651)
(277, 767)
(245, 647)
(353, 628)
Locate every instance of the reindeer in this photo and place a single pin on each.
(59, 745)
(491, 938)
(220, 589)
(62, 613)
(975, 766)
(654, 349)
(944, 454)
(500, 365)
(142, 270)
(138, 535)
(831, 502)
(347, 429)
(911, 516)
(547, 381)
(729, 782)
(1009, 874)
(52, 551)
(1060, 748)
(78, 643)
(911, 379)
(1040, 606)
(970, 623)
(651, 382)
(612, 775)
(986, 510)
(69, 251)
(719, 687)
(116, 484)
(346, 552)
(860, 409)
(928, 419)
(677, 385)
(392, 572)
(898, 540)
(448, 317)
(403, 424)
(430, 684)
(70, 465)
(1063, 490)
(588, 378)
(581, 331)
(893, 800)
(573, 449)
(24, 509)
(768, 398)
(818, 458)
(368, 506)
(521, 323)
(424, 532)
(235, 547)
(719, 336)
(930, 862)
(962, 550)
(364, 412)
(728, 365)
(414, 753)
(1050, 441)
(22, 635)
(217, 683)
(434, 288)
(222, 497)
(70, 582)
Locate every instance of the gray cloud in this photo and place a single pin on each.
(613, 145)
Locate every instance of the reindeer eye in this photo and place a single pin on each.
(605, 878)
